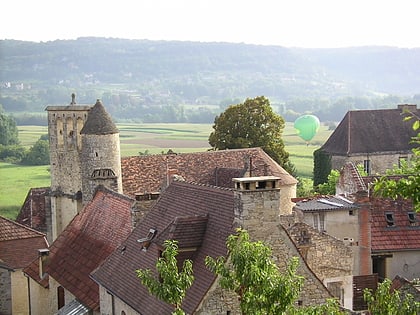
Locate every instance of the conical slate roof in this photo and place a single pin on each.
(99, 122)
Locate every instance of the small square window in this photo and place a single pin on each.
(389, 217)
(351, 212)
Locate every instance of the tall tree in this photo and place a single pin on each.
(251, 124)
(172, 285)
(8, 130)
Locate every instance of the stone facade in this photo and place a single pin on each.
(101, 163)
(64, 126)
(5, 291)
(257, 203)
(378, 162)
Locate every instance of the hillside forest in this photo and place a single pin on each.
(192, 82)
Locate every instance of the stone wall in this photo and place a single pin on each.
(219, 302)
(5, 292)
(379, 161)
(327, 256)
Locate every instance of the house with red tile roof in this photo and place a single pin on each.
(377, 139)
(63, 276)
(19, 246)
(393, 228)
(152, 173)
(200, 217)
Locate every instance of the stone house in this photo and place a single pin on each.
(393, 229)
(376, 139)
(200, 217)
(19, 246)
(343, 219)
(62, 278)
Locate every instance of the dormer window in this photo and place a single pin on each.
(389, 217)
(145, 242)
(412, 218)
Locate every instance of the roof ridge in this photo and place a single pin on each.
(203, 185)
(23, 226)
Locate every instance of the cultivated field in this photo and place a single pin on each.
(140, 139)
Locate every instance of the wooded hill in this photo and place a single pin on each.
(131, 76)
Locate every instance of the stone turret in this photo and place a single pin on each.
(100, 155)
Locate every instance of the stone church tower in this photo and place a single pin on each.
(84, 152)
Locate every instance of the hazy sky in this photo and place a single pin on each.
(290, 23)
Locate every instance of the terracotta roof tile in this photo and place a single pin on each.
(149, 173)
(402, 235)
(19, 244)
(89, 238)
(179, 203)
(32, 213)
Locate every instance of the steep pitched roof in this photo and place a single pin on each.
(99, 122)
(149, 173)
(402, 234)
(89, 238)
(32, 213)
(369, 131)
(179, 203)
(324, 203)
(19, 244)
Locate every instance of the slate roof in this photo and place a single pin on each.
(402, 235)
(149, 173)
(89, 238)
(179, 203)
(33, 211)
(19, 244)
(369, 131)
(324, 203)
(99, 122)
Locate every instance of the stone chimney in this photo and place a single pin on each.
(257, 204)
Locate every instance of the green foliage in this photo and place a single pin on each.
(39, 154)
(331, 307)
(172, 285)
(383, 302)
(12, 153)
(251, 273)
(305, 187)
(251, 124)
(328, 188)
(322, 167)
(8, 130)
(409, 185)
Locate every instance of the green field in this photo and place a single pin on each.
(140, 138)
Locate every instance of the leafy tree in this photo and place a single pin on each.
(251, 124)
(384, 302)
(172, 285)
(12, 153)
(250, 272)
(407, 186)
(8, 130)
(328, 188)
(39, 154)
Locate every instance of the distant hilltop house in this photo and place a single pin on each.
(376, 139)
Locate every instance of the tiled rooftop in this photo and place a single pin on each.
(19, 244)
(89, 238)
(399, 235)
(149, 173)
(324, 203)
(208, 209)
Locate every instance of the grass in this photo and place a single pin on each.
(135, 138)
(16, 180)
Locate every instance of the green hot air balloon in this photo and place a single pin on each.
(307, 126)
